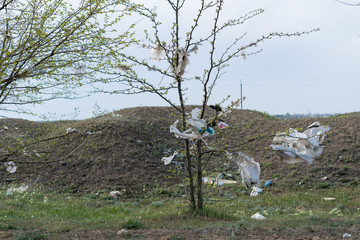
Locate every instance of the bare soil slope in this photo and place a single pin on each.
(123, 151)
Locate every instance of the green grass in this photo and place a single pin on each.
(39, 214)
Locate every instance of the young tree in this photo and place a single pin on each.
(48, 46)
(170, 55)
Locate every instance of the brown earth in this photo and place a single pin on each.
(123, 151)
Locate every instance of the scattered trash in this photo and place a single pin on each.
(347, 235)
(157, 53)
(298, 147)
(167, 160)
(198, 128)
(219, 181)
(122, 231)
(10, 166)
(183, 62)
(70, 130)
(19, 189)
(208, 130)
(268, 183)
(139, 141)
(195, 48)
(324, 178)
(92, 133)
(250, 170)
(258, 216)
(329, 199)
(255, 191)
(115, 194)
(222, 125)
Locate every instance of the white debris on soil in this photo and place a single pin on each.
(258, 216)
(347, 235)
(167, 160)
(122, 231)
(10, 166)
(255, 191)
(19, 189)
(115, 194)
(70, 130)
(329, 199)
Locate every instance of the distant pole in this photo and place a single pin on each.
(241, 96)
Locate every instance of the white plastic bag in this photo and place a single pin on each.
(167, 160)
(255, 191)
(250, 170)
(300, 147)
(258, 216)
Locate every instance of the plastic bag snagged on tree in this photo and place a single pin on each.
(300, 147)
(250, 170)
(198, 128)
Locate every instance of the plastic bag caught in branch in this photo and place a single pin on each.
(250, 170)
(183, 62)
(298, 147)
(157, 53)
(198, 128)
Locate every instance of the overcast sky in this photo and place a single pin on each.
(316, 73)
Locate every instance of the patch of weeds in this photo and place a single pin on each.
(310, 229)
(216, 213)
(30, 236)
(325, 185)
(133, 224)
(7, 227)
(176, 237)
(157, 204)
(163, 191)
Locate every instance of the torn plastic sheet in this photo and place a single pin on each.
(183, 61)
(258, 216)
(250, 170)
(255, 191)
(19, 189)
(157, 53)
(167, 160)
(198, 128)
(268, 183)
(222, 125)
(218, 180)
(300, 147)
(10, 166)
(115, 194)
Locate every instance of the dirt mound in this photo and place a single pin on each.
(123, 151)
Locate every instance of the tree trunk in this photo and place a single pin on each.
(191, 178)
(199, 177)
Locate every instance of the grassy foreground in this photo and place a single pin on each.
(39, 215)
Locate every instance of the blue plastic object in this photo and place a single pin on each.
(268, 183)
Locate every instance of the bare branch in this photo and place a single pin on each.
(350, 4)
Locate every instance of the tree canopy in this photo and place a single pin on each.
(48, 48)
